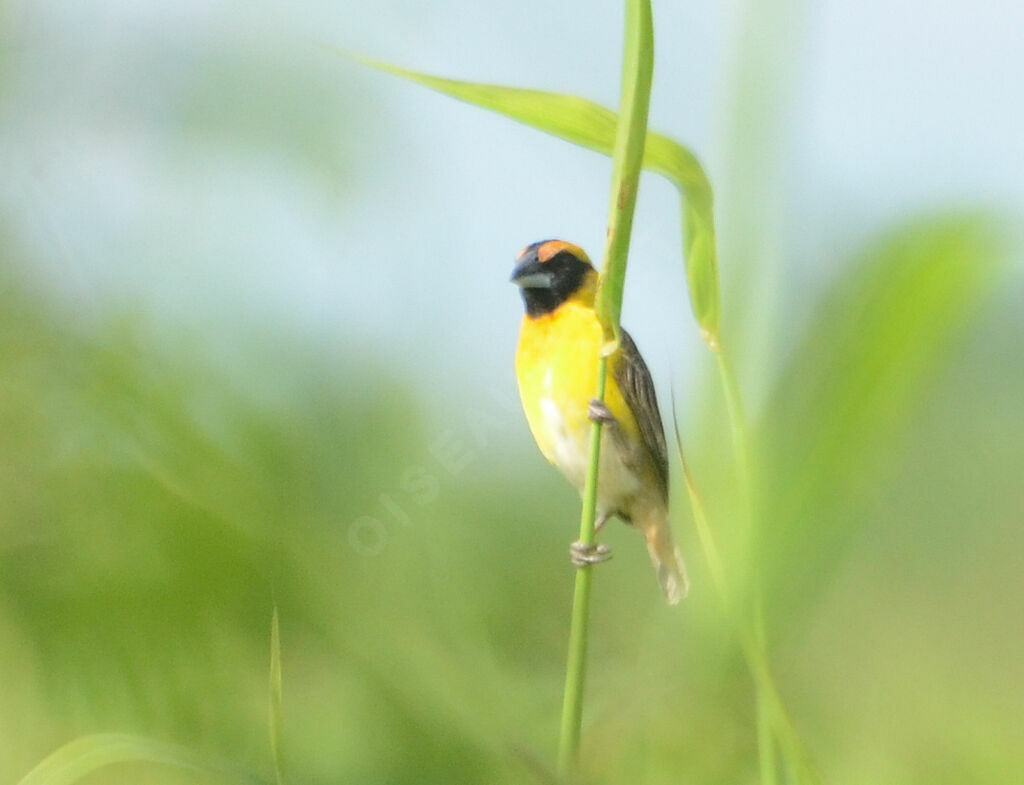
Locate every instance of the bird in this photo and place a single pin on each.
(560, 339)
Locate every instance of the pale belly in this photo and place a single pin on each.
(568, 448)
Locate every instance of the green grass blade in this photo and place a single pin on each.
(590, 125)
(866, 360)
(83, 756)
(275, 695)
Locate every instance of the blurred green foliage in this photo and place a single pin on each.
(163, 488)
(157, 503)
(845, 393)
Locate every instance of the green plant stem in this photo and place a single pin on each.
(737, 428)
(775, 730)
(627, 163)
(575, 672)
(773, 721)
(274, 723)
(766, 743)
(757, 656)
(766, 748)
(627, 160)
(741, 461)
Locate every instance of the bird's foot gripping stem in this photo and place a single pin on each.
(597, 411)
(582, 554)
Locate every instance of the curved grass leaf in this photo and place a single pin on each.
(866, 360)
(593, 126)
(83, 756)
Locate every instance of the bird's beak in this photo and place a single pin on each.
(530, 274)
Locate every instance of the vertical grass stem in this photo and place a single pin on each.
(627, 160)
(575, 673)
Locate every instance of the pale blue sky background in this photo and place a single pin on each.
(210, 166)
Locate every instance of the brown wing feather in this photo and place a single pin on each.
(637, 388)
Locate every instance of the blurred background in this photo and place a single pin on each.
(256, 348)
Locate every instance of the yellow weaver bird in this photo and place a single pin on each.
(556, 365)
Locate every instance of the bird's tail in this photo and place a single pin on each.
(665, 556)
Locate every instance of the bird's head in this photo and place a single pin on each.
(550, 272)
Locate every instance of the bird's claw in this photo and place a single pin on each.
(582, 554)
(598, 411)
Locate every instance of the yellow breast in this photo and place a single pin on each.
(556, 365)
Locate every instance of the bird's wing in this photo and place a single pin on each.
(637, 388)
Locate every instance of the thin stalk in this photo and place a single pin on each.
(757, 654)
(766, 743)
(766, 748)
(274, 723)
(627, 163)
(575, 672)
(755, 129)
(775, 730)
(631, 132)
(737, 427)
